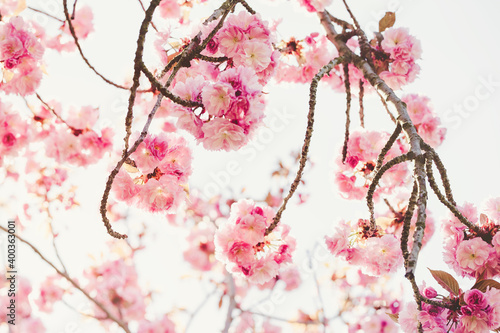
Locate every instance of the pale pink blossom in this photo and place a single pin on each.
(256, 54)
(473, 254)
(221, 134)
(217, 98)
(382, 255)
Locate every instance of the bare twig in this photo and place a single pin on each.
(73, 282)
(232, 302)
(46, 14)
(75, 38)
(347, 111)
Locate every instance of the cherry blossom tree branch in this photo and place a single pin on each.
(144, 10)
(232, 302)
(378, 175)
(347, 110)
(407, 125)
(73, 282)
(77, 43)
(183, 60)
(361, 107)
(307, 140)
(45, 13)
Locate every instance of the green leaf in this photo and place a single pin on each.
(387, 21)
(483, 284)
(446, 281)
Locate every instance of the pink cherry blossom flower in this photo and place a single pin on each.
(473, 254)
(257, 55)
(217, 98)
(222, 134)
(382, 255)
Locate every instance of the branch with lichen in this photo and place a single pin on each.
(182, 60)
(307, 140)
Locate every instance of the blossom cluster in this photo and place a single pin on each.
(158, 173)
(231, 93)
(14, 132)
(477, 312)
(20, 54)
(377, 253)
(115, 285)
(22, 314)
(242, 244)
(74, 141)
(425, 120)
(404, 50)
(468, 252)
(353, 178)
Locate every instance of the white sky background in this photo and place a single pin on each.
(459, 54)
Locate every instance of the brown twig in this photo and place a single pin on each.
(307, 140)
(73, 282)
(77, 43)
(144, 10)
(361, 106)
(45, 13)
(347, 111)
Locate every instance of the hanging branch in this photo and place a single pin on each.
(307, 140)
(74, 283)
(409, 129)
(442, 172)
(371, 190)
(361, 107)
(75, 38)
(405, 234)
(387, 147)
(183, 60)
(45, 13)
(442, 199)
(345, 65)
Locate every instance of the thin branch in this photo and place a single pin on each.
(46, 14)
(442, 172)
(347, 111)
(144, 10)
(361, 107)
(405, 234)
(318, 290)
(73, 282)
(387, 108)
(305, 147)
(232, 302)
(74, 10)
(371, 190)
(75, 38)
(442, 199)
(387, 147)
(198, 308)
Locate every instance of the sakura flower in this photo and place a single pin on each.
(241, 243)
(257, 55)
(222, 134)
(217, 98)
(473, 254)
(382, 255)
(408, 318)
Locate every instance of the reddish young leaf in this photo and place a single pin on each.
(446, 281)
(387, 21)
(483, 284)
